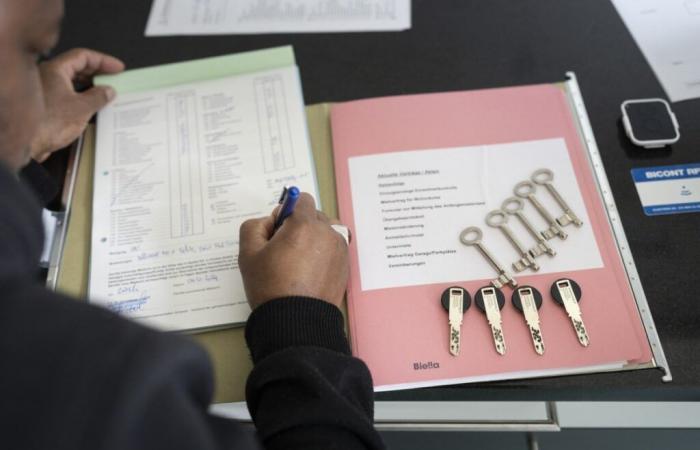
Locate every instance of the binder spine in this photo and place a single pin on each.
(576, 100)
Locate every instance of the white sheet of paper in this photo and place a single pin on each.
(177, 170)
(668, 33)
(190, 17)
(410, 207)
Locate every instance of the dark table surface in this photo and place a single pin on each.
(472, 44)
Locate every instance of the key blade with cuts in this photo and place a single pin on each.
(567, 293)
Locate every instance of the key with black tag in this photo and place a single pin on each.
(490, 301)
(456, 302)
(567, 293)
(528, 301)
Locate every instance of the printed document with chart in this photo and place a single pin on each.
(197, 17)
(412, 172)
(177, 170)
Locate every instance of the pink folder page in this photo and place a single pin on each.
(402, 333)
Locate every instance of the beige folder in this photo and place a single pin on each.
(227, 347)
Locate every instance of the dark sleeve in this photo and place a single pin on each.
(80, 377)
(40, 181)
(306, 391)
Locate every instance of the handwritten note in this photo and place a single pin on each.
(177, 171)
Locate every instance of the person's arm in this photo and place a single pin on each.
(306, 391)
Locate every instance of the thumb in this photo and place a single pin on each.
(97, 97)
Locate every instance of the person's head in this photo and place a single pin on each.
(28, 29)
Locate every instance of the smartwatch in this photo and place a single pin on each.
(649, 122)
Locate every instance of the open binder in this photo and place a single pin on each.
(227, 347)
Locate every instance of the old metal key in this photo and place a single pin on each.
(471, 236)
(526, 189)
(544, 177)
(514, 206)
(499, 219)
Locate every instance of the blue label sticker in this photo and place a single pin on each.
(668, 189)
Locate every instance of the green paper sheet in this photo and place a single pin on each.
(166, 75)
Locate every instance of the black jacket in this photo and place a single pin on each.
(74, 376)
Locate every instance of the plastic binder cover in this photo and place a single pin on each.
(413, 171)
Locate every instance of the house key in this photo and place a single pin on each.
(528, 300)
(514, 206)
(456, 302)
(544, 177)
(472, 237)
(499, 219)
(526, 189)
(490, 301)
(567, 293)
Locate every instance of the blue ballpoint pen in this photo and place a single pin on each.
(288, 199)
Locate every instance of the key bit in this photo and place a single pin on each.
(514, 206)
(526, 189)
(456, 301)
(490, 301)
(499, 219)
(528, 301)
(567, 293)
(544, 177)
(471, 236)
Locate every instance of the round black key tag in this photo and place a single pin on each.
(466, 298)
(518, 302)
(479, 297)
(564, 283)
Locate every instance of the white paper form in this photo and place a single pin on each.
(177, 170)
(410, 207)
(668, 33)
(191, 17)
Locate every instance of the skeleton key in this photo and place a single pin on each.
(490, 301)
(567, 293)
(528, 300)
(499, 219)
(472, 237)
(456, 302)
(526, 189)
(514, 206)
(544, 177)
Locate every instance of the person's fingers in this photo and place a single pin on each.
(81, 62)
(321, 216)
(96, 98)
(305, 208)
(255, 234)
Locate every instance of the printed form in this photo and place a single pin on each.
(177, 170)
(668, 33)
(190, 17)
(410, 207)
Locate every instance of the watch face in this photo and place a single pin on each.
(651, 121)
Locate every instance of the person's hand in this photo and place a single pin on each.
(67, 111)
(304, 257)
